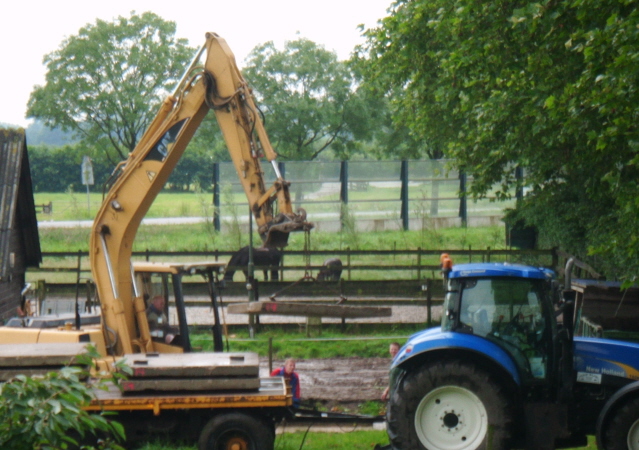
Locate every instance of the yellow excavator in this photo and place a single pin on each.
(217, 85)
(221, 394)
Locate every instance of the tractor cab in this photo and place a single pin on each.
(510, 306)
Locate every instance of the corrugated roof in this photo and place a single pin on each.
(16, 199)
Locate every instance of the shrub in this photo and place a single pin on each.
(45, 412)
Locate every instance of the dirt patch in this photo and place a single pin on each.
(340, 381)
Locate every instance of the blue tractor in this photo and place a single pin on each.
(505, 371)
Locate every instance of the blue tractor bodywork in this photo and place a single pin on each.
(515, 323)
(435, 339)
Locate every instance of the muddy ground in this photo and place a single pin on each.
(339, 381)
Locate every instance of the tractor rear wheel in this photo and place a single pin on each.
(623, 428)
(449, 406)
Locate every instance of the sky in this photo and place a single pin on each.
(31, 29)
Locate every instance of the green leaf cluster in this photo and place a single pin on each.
(302, 91)
(550, 87)
(106, 82)
(45, 412)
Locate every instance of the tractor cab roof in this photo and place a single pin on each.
(500, 270)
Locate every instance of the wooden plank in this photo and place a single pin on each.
(296, 309)
(34, 355)
(190, 384)
(193, 365)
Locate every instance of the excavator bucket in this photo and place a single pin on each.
(282, 225)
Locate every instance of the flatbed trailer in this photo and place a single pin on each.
(215, 399)
(271, 394)
(215, 420)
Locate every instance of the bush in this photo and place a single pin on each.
(45, 412)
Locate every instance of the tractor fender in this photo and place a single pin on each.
(629, 390)
(436, 341)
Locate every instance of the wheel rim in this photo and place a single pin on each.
(232, 441)
(633, 436)
(451, 418)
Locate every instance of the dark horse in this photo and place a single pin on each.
(262, 256)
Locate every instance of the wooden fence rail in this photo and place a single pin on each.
(414, 264)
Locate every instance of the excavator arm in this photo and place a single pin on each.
(218, 85)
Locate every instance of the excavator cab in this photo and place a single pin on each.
(166, 281)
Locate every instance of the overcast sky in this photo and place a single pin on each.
(31, 29)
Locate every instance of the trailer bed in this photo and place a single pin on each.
(271, 393)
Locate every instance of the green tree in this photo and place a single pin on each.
(304, 93)
(107, 82)
(548, 86)
(56, 169)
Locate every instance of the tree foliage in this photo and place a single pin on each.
(548, 86)
(305, 94)
(46, 412)
(57, 169)
(107, 82)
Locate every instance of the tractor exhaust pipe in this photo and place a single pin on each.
(568, 274)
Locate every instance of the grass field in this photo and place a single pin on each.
(349, 439)
(346, 440)
(81, 205)
(332, 344)
(201, 237)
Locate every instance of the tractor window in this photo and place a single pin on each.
(510, 313)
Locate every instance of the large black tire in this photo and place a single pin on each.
(236, 431)
(449, 405)
(622, 432)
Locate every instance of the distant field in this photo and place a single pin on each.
(384, 201)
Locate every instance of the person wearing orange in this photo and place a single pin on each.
(446, 265)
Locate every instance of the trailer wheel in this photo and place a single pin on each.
(449, 406)
(236, 431)
(623, 428)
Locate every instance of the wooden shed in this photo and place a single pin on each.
(19, 239)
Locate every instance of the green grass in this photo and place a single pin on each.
(348, 440)
(199, 237)
(369, 343)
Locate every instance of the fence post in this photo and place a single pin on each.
(343, 191)
(419, 263)
(270, 354)
(519, 175)
(404, 194)
(77, 291)
(216, 197)
(429, 302)
(348, 262)
(463, 204)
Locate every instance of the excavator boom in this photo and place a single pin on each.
(218, 85)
